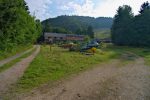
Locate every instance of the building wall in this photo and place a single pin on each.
(62, 37)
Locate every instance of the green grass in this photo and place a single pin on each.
(101, 34)
(141, 52)
(53, 65)
(10, 64)
(147, 59)
(50, 66)
(14, 51)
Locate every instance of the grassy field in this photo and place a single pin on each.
(53, 65)
(13, 62)
(101, 34)
(141, 52)
(50, 66)
(19, 49)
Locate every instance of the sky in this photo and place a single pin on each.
(44, 9)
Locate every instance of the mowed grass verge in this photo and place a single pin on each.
(50, 66)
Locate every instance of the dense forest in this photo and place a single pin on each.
(76, 24)
(132, 30)
(17, 27)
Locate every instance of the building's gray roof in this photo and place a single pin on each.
(60, 34)
(55, 34)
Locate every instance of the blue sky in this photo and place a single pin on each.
(44, 9)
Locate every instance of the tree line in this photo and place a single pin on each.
(17, 26)
(131, 30)
(76, 24)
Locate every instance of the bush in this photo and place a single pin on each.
(92, 50)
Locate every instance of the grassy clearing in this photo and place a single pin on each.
(53, 65)
(50, 66)
(10, 64)
(101, 34)
(133, 51)
(147, 59)
(19, 49)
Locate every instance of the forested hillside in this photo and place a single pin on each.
(132, 30)
(76, 24)
(17, 27)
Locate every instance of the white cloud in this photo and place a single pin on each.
(105, 8)
(109, 7)
(39, 8)
(49, 8)
(85, 10)
(64, 7)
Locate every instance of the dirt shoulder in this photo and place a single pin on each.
(10, 76)
(110, 81)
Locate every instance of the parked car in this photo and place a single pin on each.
(93, 44)
(89, 46)
(84, 48)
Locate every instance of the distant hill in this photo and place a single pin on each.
(76, 24)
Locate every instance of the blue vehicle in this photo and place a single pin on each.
(89, 46)
(93, 44)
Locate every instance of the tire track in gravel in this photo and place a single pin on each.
(10, 76)
(109, 81)
(7, 60)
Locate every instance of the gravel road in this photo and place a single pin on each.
(110, 81)
(10, 76)
(5, 61)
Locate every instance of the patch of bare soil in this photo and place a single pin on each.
(10, 76)
(106, 82)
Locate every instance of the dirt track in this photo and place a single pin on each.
(7, 60)
(10, 76)
(111, 81)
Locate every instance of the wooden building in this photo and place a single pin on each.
(52, 37)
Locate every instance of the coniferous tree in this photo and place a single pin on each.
(142, 25)
(120, 26)
(132, 30)
(90, 31)
(145, 6)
